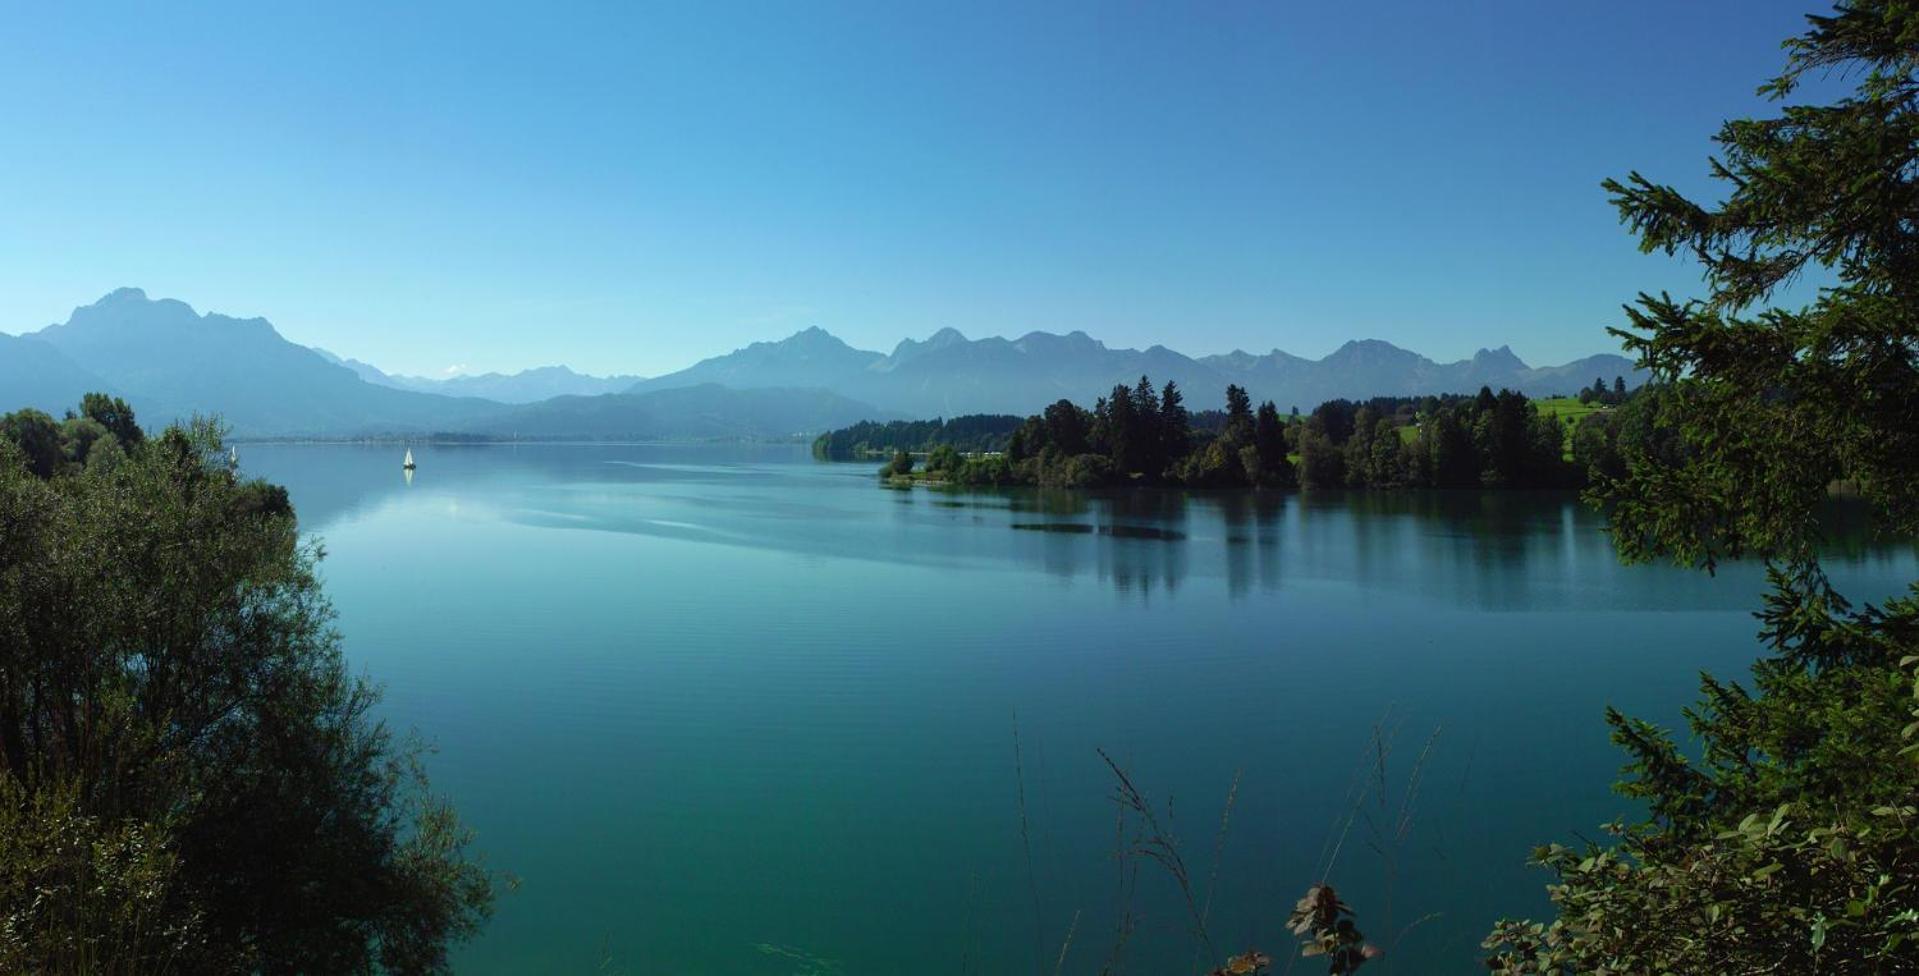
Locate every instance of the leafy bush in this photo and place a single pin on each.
(190, 776)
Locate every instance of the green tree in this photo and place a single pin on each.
(79, 436)
(1596, 448)
(943, 458)
(1269, 438)
(1068, 429)
(1239, 416)
(1020, 446)
(1503, 441)
(1385, 468)
(1447, 437)
(1359, 448)
(186, 762)
(900, 466)
(1150, 435)
(1175, 423)
(37, 438)
(1786, 843)
(113, 413)
(1321, 462)
(1336, 419)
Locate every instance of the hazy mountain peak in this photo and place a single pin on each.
(813, 335)
(946, 338)
(559, 370)
(811, 357)
(1074, 342)
(1238, 359)
(127, 315)
(125, 294)
(1371, 351)
(1501, 358)
(528, 385)
(123, 305)
(1365, 344)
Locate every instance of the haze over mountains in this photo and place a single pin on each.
(949, 374)
(525, 386)
(172, 362)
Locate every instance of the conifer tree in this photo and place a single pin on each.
(1787, 842)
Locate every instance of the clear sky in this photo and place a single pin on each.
(630, 187)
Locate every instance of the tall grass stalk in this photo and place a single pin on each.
(1158, 843)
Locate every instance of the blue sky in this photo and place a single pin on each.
(630, 187)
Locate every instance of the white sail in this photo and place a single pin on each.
(409, 458)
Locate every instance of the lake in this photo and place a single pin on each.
(732, 710)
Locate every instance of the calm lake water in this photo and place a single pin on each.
(731, 710)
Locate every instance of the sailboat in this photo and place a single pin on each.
(408, 463)
(233, 457)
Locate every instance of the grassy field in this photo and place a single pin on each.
(1568, 409)
(1570, 412)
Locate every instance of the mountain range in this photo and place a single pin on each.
(948, 374)
(525, 386)
(171, 362)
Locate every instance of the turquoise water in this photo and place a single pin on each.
(729, 710)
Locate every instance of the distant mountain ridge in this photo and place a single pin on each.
(948, 374)
(704, 412)
(526, 386)
(171, 362)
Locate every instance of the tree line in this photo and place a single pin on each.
(1145, 435)
(1603, 395)
(980, 433)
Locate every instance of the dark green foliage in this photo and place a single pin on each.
(113, 414)
(1239, 415)
(984, 471)
(1055, 470)
(100, 433)
(1599, 393)
(1778, 404)
(900, 466)
(1786, 843)
(190, 777)
(1143, 437)
(1175, 424)
(37, 438)
(1067, 428)
(1150, 430)
(1336, 419)
(1275, 469)
(106, 893)
(1491, 440)
(1216, 464)
(943, 459)
(1322, 463)
(78, 435)
(972, 433)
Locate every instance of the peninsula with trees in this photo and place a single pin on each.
(1145, 435)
